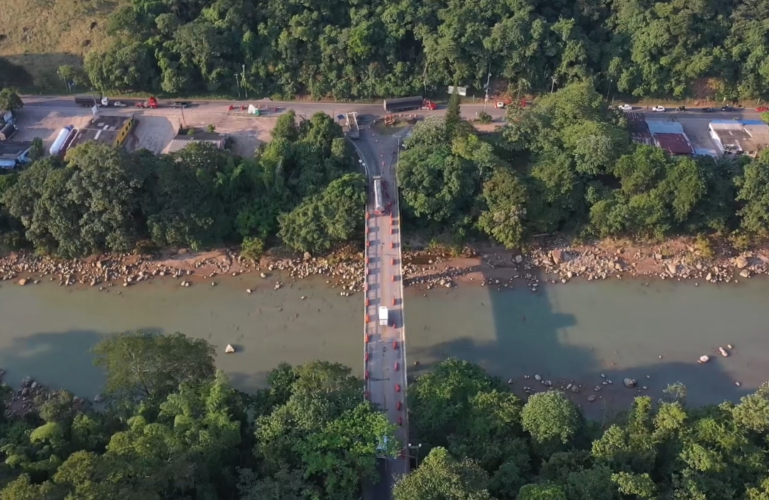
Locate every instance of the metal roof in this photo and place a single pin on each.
(664, 127)
(675, 144)
(14, 149)
(182, 141)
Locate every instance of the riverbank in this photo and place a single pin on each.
(679, 259)
(558, 263)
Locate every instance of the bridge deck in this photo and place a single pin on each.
(385, 346)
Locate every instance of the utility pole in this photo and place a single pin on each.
(552, 87)
(486, 87)
(424, 77)
(245, 88)
(415, 447)
(237, 84)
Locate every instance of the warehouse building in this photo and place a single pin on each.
(14, 153)
(181, 141)
(737, 137)
(110, 130)
(670, 136)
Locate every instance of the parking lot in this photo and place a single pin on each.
(155, 128)
(46, 124)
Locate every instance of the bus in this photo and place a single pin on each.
(378, 203)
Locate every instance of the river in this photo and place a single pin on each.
(576, 331)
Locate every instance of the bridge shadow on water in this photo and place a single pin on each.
(515, 332)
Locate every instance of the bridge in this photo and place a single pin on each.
(384, 344)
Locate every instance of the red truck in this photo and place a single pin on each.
(408, 103)
(150, 103)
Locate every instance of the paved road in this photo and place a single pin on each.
(386, 345)
(220, 107)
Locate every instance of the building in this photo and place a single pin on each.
(110, 130)
(14, 153)
(639, 131)
(182, 141)
(670, 136)
(739, 136)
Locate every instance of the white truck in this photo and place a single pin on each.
(383, 316)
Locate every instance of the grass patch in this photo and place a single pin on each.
(41, 35)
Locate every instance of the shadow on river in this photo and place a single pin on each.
(565, 332)
(579, 331)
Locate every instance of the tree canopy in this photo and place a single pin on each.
(396, 48)
(100, 198)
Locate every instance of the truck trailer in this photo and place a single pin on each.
(90, 100)
(407, 103)
(384, 317)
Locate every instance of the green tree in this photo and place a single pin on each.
(323, 220)
(754, 193)
(453, 116)
(506, 198)
(552, 419)
(150, 366)
(10, 100)
(541, 492)
(441, 477)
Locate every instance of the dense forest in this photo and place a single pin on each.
(169, 426)
(386, 48)
(302, 187)
(567, 165)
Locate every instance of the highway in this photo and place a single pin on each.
(384, 346)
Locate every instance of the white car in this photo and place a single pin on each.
(658, 108)
(626, 107)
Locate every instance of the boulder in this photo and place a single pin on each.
(518, 259)
(537, 378)
(672, 268)
(98, 398)
(741, 262)
(723, 352)
(592, 398)
(307, 256)
(23, 281)
(629, 383)
(556, 256)
(703, 359)
(229, 349)
(745, 273)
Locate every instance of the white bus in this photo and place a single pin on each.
(378, 203)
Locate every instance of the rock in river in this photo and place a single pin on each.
(741, 262)
(704, 359)
(23, 281)
(629, 383)
(229, 349)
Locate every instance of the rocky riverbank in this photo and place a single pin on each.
(425, 269)
(560, 262)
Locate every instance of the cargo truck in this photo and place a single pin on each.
(408, 103)
(383, 316)
(90, 100)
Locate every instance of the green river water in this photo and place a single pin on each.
(576, 331)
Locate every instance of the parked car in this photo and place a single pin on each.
(658, 108)
(727, 108)
(707, 110)
(762, 109)
(626, 107)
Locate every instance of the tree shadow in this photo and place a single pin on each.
(569, 334)
(60, 360)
